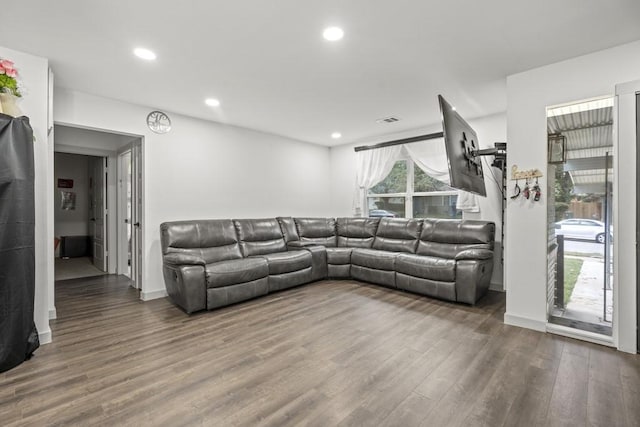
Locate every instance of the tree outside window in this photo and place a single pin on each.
(408, 192)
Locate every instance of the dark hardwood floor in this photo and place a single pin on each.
(331, 353)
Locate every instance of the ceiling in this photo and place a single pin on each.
(267, 63)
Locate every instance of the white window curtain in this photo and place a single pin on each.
(431, 157)
(372, 167)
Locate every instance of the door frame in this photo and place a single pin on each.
(111, 196)
(625, 262)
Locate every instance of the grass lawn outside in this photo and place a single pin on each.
(572, 267)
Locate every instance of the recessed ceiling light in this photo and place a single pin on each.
(212, 102)
(333, 34)
(336, 135)
(145, 54)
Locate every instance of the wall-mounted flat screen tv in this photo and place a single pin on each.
(461, 142)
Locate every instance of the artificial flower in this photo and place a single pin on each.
(9, 78)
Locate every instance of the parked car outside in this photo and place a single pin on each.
(381, 213)
(579, 228)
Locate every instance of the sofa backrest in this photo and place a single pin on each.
(398, 234)
(260, 236)
(356, 232)
(445, 238)
(212, 240)
(288, 227)
(321, 231)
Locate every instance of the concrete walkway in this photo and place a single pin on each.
(587, 299)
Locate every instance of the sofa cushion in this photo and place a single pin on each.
(445, 238)
(426, 267)
(339, 255)
(286, 262)
(356, 232)
(236, 271)
(260, 236)
(397, 234)
(372, 258)
(321, 231)
(210, 240)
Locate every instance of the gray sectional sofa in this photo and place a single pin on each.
(213, 263)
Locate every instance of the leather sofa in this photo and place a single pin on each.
(213, 263)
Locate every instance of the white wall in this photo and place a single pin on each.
(204, 169)
(71, 222)
(34, 73)
(490, 129)
(529, 93)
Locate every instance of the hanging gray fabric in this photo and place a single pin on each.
(18, 334)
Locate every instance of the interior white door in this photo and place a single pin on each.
(125, 225)
(136, 212)
(98, 212)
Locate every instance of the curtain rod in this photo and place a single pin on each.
(435, 135)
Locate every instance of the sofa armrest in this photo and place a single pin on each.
(186, 286)
(479, 254)
(473, 277)
(177, 258)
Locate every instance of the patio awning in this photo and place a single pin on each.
(588, 128)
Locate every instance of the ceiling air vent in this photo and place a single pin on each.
(388, 120)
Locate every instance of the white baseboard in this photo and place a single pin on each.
(44, 336)
(151, 295)
(580, 335)
(53, 313)
(525, 322)
(628, 349)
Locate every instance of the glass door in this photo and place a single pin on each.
(580, 146)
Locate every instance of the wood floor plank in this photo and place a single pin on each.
(326, 354)
(468, 381)
(630, 378)
(568, 404)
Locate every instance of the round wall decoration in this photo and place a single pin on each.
(159, 122)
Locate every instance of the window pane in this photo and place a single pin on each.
(389, 207)
(395, 182)
(424, 183)
(436, 207)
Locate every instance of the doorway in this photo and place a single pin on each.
(79, 215)
(580, 177)
(97, 153)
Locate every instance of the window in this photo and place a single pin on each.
(407, 192)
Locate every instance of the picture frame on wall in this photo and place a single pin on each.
(557, 148)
